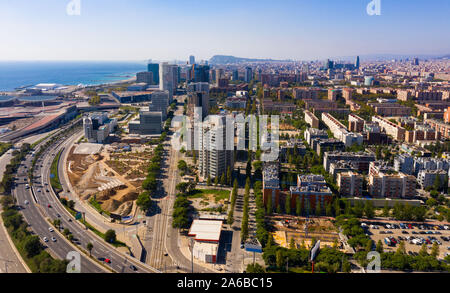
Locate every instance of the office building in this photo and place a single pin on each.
(191, 60)
(144, 77)
(154, 69)
(160, 103)
(150, 123)
(248, 76)
(97, 127)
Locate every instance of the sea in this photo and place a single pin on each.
(16, 74)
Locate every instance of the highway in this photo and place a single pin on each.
(34, 213)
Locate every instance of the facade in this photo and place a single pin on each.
(150, 123)
(97, 127)
(236, 103)
(392, 129)
(404, 163)
(310, 191)
(167, 77)
(154, 69)
(160, 103)
(302, 93)
(362, 159)
(350, 183)
(426, 178)
(340, 132)
(393, 185)
(214, 157)
(206, 235)
(355, 123)
(311, 119)
(198, 96)
(313, 133)
(248, 76)
(145, 77)
(390, 109)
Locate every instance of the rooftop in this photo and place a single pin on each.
(206, 230)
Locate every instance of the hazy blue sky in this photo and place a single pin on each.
(169, 29)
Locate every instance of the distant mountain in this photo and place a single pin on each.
(445, 57)
(223, 59)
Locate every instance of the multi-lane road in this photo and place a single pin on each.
(43, 207)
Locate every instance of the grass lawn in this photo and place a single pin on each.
(203, 193)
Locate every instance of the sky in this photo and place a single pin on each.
(175, 29)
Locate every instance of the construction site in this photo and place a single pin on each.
(109, 177)
(303, 231)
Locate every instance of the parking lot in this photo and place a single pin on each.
(414, 235)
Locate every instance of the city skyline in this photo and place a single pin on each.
(309, 30)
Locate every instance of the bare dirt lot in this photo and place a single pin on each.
(110, 181)
(303, 231)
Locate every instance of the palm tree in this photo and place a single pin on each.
(89, 247)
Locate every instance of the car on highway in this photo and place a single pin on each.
(51, 229)
(45, 239)
(26, 202)
(107, 260)
(53, 239)
(132, 267)
(39, 190)
(49, 205)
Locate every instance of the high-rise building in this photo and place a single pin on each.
(248, 74)
(214, 156)
(191, 60)
(357, 62)
(416, 61)
(150, 123)
(235, 75)
(98, 126)
(160, 103)
(154, 69)
(144, 77)
(199, 73)
(167, 78)
(198, 96)
(219, 75)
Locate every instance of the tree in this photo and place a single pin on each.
(379, 248)
(229, 176)
(269, 205)
(318, 209)
(292, 243)
(401, 248)
(329, 210)
(386, 210)
(280, 260)
(369, 209)
(423, 250)
(223, 179)
(298, 209)
(110, 236)
(216, 181)
(435, 250)
(287, 206)
(32, 246)
(255, 269)
(144, 201)
(208, 181)
(89, 247)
